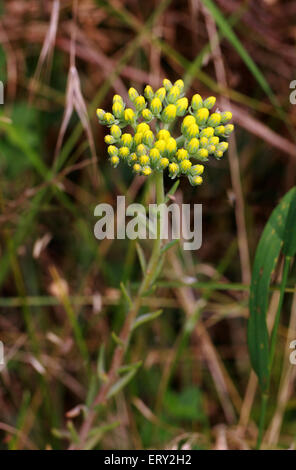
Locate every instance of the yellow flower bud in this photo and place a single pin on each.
(133, 94)
(148, 138)
(196, 102)
(182, 105)
(228, 129)
(201, 116)
(202, 154)
(112, 150)
(163, 163)
(148, 92)
(191, 131)
(173, 94)
(171, 146)
(146, 171)
(214, 140)
(114, 161)
(129, 115)
(193, 146)
(144, 160)
(160, 145)
(185, 166)
(109, 118)
(100, 114)
(222, 147)
(197, 170)
(154, 155)
(211, 149)
(138, 138)
(132, 158)
(187, 121)
(140, 103)
(147, 115)
(117, 109)
(226, 116)
(167, 84)
(117, 99)
(115, 131)
(124, 152)
(137, 168)
(173, 169)
(218, 154)
(182, 154)
(207, 132)
(196, 180)
(220, 130)
(142, 127)
(209, 102)
(169, 113)
(214, 120)
(180, 84)
(127, 140)
(141, 150)
(163, 134)
(160, 93)
(203, 142)
(156, 106)
(109, 139)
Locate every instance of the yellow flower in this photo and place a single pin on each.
(129, 115)
(196, 102)
(173, 94)
(109, 118)
(201, 116)
(226, 116)
(182, 154)
(196, 180)
(191, 131)
(197, 170)
(133, 94)
(148, 138)
(160, 93)
(137, 168)
(112, 150)
(160, 145)
(185, 166)
(171, 146)
(156, 106)
(124, 152)
(163, 134)
(115, 131)
(181, 105)
(173, 169)
(117, 109)
(109, 139)
(142, 127)
(127, 140)
(117, 99)
(180, 84)
(209, 102)
(169, 113)
(187, 122)
(167, 84)
(193, 145)
(147, 115)
(220, 130)
(144, 160)
(228, 129)
(100, 114)
(214, 120)
(154, 155)
(138, 138)
(202, 154)
(148, 92)
(163, 163)
(146, 171)
(141, 150)
(207, 132)
(140, 103)
(203, 142)
(114, 161)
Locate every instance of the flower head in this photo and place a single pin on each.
(203, 134)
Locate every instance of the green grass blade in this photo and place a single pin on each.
(266, 259)
(289, 248)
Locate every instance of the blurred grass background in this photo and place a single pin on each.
(60, 298)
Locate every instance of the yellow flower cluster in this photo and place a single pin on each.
(153, 148)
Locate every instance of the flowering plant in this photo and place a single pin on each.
(152, 148)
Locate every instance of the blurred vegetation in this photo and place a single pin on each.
(60, 299)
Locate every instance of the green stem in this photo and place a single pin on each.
(265, 396)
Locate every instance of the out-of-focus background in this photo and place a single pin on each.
(60, 297)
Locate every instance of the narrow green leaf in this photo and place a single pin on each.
(121, 383)
(116, 339)
(265, 262)
(169, 245)
(125, 294)
(146, 318)
(172, 191)
(289, 247)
